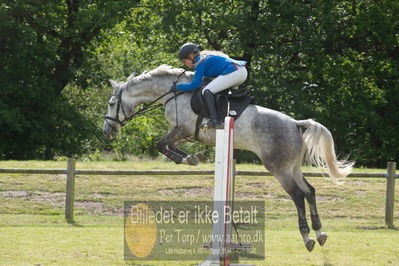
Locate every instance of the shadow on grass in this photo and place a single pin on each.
(73, 223)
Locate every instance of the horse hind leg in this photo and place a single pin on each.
(298, 196)
(316, 224)
(310, 195)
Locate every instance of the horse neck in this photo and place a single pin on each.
(148, 91)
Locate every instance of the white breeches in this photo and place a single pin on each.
(223, 82)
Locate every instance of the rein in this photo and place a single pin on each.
(146, 108)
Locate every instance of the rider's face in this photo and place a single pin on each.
(189, 61)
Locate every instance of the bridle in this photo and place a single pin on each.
(146, 108)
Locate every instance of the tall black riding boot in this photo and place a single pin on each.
(211, 104)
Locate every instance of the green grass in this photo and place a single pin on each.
(33, 230)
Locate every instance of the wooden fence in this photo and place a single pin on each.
(71, 172)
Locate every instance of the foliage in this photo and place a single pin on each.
(139, 137)
(342, 58)
(43, 47)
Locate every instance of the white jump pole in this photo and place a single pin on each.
(223, 196)
(223, 190)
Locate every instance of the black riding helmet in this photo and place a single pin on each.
(187, 49)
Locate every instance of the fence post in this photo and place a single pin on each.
(390, 197)
(70, 189)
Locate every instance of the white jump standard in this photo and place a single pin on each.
(223, 197)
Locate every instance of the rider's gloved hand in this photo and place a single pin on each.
(173, 87)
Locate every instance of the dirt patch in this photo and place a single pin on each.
(167, 192)
(248, 195)
(358, 183)
(57, 199)
(257, 185)
(285, 198)
(276, 197)
(187, 192)
(199, 191)
(360, 187)
(99, 196)
(360, 192)
(93, 208)
(321, 198)
(15, 194)
(372, 227)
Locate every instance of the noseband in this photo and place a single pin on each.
(118, 106)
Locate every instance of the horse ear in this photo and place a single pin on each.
(131, 76)
(114, 84)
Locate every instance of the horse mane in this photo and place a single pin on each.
(162, 70)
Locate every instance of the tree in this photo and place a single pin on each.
(43, 47)
(335, 61)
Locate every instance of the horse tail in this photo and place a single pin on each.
(320, 149)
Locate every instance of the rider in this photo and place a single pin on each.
(226, 72)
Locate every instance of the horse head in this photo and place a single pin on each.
(149, 87)
(118, 110)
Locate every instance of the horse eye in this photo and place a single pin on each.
(111, 104)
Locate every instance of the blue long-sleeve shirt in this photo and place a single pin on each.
(211, 66)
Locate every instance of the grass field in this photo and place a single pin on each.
(33, 230)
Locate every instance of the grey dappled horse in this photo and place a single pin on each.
(280, 141)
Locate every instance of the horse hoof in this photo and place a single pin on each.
(310, 245)
(322, 239)
(200, 157)
(191, 160)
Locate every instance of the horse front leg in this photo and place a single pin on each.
(201, 157)
(167, 147)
